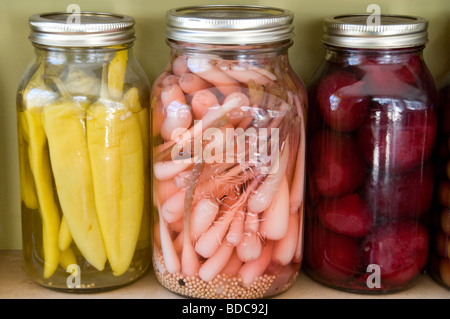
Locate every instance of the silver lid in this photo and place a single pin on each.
(393, 31)
(95, 29)
(229, 24)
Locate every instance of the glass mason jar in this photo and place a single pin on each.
(371, 130)
(440, 248)
(228, 154)
(83, 128)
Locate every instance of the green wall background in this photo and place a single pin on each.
(152, 52)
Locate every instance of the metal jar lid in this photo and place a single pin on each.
(393, 31)
(229, 24)
(93, 29)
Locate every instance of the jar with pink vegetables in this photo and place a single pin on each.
(228, 126)
(372, 128)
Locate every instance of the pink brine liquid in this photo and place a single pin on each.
(228, 174)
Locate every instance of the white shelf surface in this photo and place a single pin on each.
(15, 284)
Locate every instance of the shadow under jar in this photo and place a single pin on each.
(229, 151)
(83, 128)
(371, 130)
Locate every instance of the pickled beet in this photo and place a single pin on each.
(387, 77)
(348, 215)
(338, 167)
(386, 80)
(410, 73)
(332, 256)
(407, 195)
(341, 101)
(400, 249)
(395, 138)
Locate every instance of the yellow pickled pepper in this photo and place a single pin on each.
(131, 100)
(76, 83)
(27, 187)
(116, 154)
(64, 122)
(34, 136)
(65, 237)
(116, 74)
(67, 257)
(40, 167)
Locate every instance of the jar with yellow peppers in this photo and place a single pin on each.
(440, 248)
(83, 130)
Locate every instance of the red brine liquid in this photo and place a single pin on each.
(229, 141)
(372, 129)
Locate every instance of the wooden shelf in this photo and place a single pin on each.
(15, 284)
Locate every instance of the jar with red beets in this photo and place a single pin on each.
(372, 128)
(440, 248)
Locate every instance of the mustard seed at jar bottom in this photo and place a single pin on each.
(229, 146)
(83, 123)
(372, 127)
